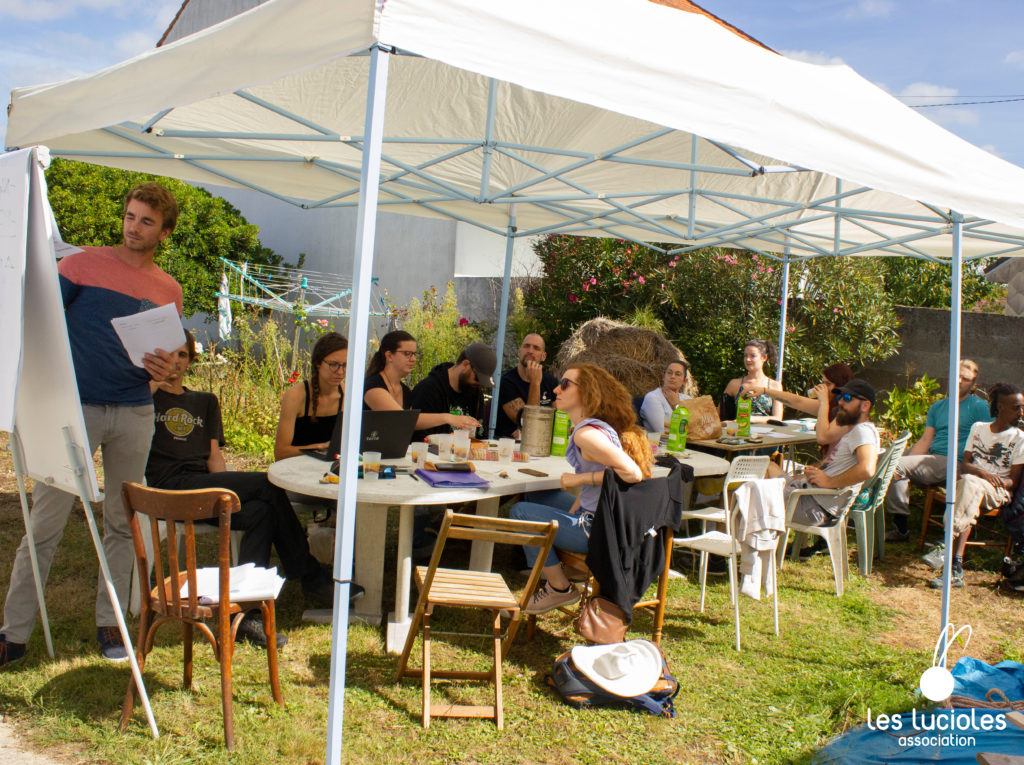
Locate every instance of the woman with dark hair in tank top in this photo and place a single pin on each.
(309, 409)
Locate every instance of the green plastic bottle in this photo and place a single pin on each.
(677, 429)
(560, 433)
(743, 417)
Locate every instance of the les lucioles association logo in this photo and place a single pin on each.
(925, 728)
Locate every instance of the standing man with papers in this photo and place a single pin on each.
(99, 284)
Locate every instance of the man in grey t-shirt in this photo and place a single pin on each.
(852, 461)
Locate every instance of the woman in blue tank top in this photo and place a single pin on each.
(604, 435)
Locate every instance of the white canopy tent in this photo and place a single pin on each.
(593, 117)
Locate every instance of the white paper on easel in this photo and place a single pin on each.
(248, 582)
(144, 332)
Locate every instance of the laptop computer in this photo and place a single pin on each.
(386, 431)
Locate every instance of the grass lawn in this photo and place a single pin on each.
(778, 700)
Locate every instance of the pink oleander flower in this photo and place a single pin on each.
(586, 288)
(593, 280)
(573, 299)
(640, 279)
(791, 329)
(463, 321)
(322, 322)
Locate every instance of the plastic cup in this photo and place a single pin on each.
(460, 445)
(418, 452)
(444, 447)
(654, 438)
(506, 448)
(371, 465)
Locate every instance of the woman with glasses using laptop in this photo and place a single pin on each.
(604, 435)
(309, 409)
(384, 388)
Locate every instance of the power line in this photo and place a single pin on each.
(962, 103)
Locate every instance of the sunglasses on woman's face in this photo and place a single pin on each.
(565, 382)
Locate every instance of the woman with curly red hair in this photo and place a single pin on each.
(605, 435)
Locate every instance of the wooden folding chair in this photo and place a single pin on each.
(935, 494)
(575, 566)
(481, 590)
(180, 510)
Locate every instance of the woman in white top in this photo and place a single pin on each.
(656, 411)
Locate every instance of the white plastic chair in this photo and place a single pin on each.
(726, 544)
(744, 468)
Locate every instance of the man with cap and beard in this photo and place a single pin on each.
(456, 388)
(850, 463)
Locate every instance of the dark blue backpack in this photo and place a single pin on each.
(577, 690)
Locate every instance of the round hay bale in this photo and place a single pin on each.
(634, 356)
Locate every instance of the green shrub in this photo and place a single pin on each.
(441, 332)
(905, 409)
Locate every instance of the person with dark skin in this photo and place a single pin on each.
(989, 471)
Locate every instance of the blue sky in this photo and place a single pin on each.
(924, 51)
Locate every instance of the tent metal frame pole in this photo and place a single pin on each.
(499, 341)
(359, 322)
(952, 448)
(784, 305)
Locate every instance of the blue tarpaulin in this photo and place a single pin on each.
(951, 736)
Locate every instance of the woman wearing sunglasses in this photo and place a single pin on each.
(384, 388)
(604, 435)
(309, 409)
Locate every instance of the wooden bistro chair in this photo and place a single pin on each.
(937, 494)
(641, 499)
(180, 510)
(478, 590)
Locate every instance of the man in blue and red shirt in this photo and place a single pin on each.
(99, 284)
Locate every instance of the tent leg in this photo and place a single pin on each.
(956, 267)
(783, 306)
(502, 317)
(359, 322)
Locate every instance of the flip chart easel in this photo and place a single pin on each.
(39, 403)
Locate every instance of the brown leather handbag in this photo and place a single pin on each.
(601, 621)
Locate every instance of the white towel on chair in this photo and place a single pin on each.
(762, 516)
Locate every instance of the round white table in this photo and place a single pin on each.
(303, 474)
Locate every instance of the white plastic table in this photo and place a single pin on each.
(302, 474)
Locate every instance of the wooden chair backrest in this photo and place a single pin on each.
(178, 510)
(479, 528)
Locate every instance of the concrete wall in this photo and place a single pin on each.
(992, 340)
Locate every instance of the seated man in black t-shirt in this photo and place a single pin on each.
(456, 388)
(185, 454)
(525, 384)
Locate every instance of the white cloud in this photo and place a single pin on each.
(921, 93)
(134, 43)
(869, 9)
(813, 57)
(1015, 58)
(49, 10)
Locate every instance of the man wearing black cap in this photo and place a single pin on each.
(456, 388)
(850, 463)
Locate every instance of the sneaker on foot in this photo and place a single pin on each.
(111, 645)
(547, 598)
(10, 652)
(251, 631)
(956, 580)
(893, 534)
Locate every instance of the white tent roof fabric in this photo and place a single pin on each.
(596, 105)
